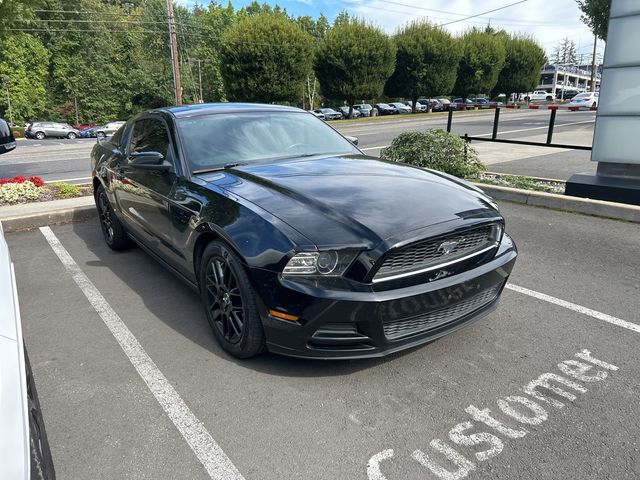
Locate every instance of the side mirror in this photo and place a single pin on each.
(353, 140)
(7, 142)
(149, 161)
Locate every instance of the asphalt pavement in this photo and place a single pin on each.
(68, 160)
(419, 414)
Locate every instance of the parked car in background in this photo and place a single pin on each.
(585, 100)
(108, 129)
(385, 109)
(364, 109)
(7, 141)
(436, 105)
(318, 114)
(24, 447)
(344, 110)
(41, 130)
(446, 103)
(83, 126)
(538, 96)
(463, 103)
(296, 241)
(329, 113)
(88, 133)
(401, 107)
(481, 102)
(419, 106)
(566, 94)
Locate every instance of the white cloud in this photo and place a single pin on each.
(547, 22)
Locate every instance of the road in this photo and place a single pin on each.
(68, 160)
(278, 418)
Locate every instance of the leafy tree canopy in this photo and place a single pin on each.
(425, 62)
(353, 61)
(523, 61)
(481, 63)
(595, 13)
(265, 58)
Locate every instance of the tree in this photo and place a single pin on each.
(265, 58)
(523, 61)
(565, 53)
(595, 13)
(353, 61)
(424, 62)
(23, 63)
(481, 62)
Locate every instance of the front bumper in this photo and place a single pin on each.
(338, 323)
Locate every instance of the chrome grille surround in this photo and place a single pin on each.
(438, 252)
(397, 329)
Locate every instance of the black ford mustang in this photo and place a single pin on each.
(296, 241)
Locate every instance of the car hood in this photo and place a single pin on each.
(355, 199)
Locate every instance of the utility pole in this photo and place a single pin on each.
(6, 81)
(593, 64)
(199, 61)
(173, 45)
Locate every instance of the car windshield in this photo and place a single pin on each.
(213, 141)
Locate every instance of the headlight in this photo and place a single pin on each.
(329, 262)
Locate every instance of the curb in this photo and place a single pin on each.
(53, 216)
(586, 206)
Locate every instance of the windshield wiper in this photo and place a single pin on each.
(226, 166)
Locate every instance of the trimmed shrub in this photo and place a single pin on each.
(435, 149)
(66, 189)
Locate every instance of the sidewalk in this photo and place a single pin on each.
(31, 215)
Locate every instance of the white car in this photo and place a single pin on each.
(108, 129)
(585, 100)
(538, 96)
(24, 448)
(402, 108)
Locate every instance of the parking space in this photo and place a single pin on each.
(401, 417)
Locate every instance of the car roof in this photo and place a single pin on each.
(207, 108)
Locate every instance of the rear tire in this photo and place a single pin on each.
(101, 135)
(41, 461)
(113, 231)
(594, 105)
(230, 302)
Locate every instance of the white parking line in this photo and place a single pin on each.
(576, 308)
(209, 453)
(68, 179)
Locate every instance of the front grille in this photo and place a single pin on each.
(396, 329)
(430, 253)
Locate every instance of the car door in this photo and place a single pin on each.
(143, 195)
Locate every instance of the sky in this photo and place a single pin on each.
(548, 22)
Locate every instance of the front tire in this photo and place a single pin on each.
(101, 135)
(112, 230)
(40, 135)
(71, 136)
(594, 105)
(230, 302)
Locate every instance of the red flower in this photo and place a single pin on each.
(37, 181)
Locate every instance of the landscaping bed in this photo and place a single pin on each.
(33, 189)
(520, 181)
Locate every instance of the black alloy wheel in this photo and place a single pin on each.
(112, 230)
(229, 302)
(224, 300)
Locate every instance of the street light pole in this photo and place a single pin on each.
(199, 61)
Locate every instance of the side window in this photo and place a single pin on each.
(150, 135)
